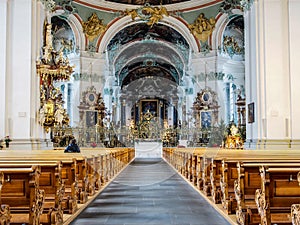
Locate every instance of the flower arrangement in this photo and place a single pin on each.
(93, 144)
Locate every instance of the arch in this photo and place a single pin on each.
(74, 22)
(222, 21)
(170, 21)
(134, 44)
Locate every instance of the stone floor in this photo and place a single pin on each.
(149, 191)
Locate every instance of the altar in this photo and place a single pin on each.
(148, 149)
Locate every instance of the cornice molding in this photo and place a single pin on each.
(103, 5)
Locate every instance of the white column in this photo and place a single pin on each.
(251, 71)
(271, 76)
(19, 69)
(294, 47)
(3, 39)
(37, 133)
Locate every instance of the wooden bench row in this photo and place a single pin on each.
(260, 187)
(39, 187)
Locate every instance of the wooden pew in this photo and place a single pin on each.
(50, 181)
(20, 191)
(232, 178)
(56, 178)
(221, 172)
(67, 179)
(278, 192)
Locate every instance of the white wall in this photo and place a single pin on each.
(294, 47)
(18, 90)
(3, 39)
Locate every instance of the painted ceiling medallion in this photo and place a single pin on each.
(202, 27)
(93, 27)
(148, 13)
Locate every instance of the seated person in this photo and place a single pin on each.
(72, 147)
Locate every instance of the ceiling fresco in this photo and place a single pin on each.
(147, 69)
(134, 46)
(151, 2)
(142, 30)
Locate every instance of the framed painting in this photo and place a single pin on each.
(251, 112)
(91, 118)
(149, 105)
(206, 117)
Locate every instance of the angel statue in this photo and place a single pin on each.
(157, 14)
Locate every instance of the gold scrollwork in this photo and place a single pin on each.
(238, 191)
(260, 197)
(223, 186)
(93, 27)
(202, 27)
(240, 216)
(295, 214)
(5, 215)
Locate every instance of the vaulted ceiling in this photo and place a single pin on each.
(138, 51)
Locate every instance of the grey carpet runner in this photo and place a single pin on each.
(149, 191)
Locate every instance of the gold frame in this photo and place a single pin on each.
(210, 112)
(251, 113)
(91, 122)
(144, 101)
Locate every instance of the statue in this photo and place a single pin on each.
(42, 115)
(234, 130)
(59, 115)
(151, 14)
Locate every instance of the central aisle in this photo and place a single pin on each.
(149, 191)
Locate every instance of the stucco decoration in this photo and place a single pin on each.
(148, 13)
(202, 27)
(93, 27)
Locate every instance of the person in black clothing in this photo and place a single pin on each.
(72, 147)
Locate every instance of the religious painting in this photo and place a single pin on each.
(251, 112)
(91, 118)
(206, 117)
(149, 106)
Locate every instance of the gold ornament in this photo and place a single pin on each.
(202, 27)
(93, 27)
